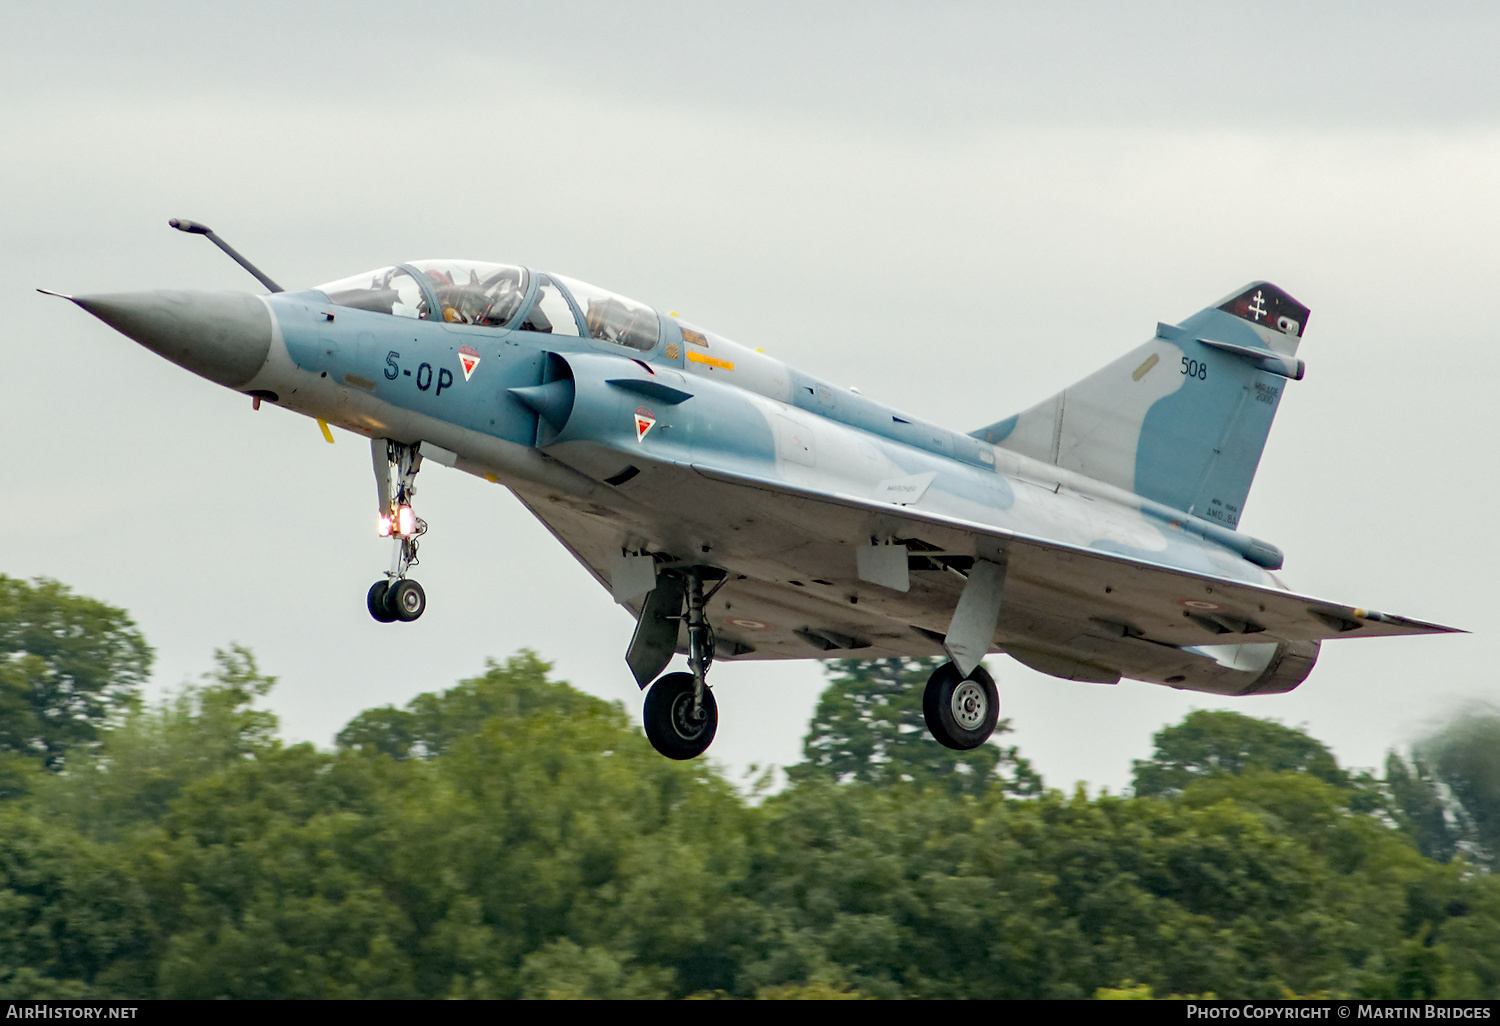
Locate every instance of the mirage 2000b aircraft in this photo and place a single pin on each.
(743, 510)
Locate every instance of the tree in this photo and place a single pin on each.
(563, 970)
(1209, 743)
(869, 727)
(75, 922)
(147, 760)
(69, 667)
(431, 722)
(1422, 809)
(1464, 755)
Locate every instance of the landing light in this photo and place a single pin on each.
(383, 528)
(407, 522)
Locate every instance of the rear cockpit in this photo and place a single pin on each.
(612, 318)
(499, 296)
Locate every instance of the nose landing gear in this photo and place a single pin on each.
(397, 597)
(396, 600)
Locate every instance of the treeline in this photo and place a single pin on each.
(513, 837)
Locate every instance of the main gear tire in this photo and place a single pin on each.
(961, 711)
(671, 726)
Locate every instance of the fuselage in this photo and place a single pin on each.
(562, 391)
(402, 377)
(740, 508)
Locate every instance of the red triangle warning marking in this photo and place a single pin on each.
(645, 420)
(469, 359)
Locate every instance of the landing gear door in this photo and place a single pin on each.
(655, 640)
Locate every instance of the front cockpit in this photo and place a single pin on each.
(456, 291)
(499, 296)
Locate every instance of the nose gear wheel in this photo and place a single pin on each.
(406, 599)
(375, 602)
(397, 597)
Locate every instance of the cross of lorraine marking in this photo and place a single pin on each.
(1258, 309)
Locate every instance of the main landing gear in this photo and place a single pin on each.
(397, 597)
(961, 711)
(681, 715)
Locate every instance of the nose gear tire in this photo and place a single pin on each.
(375, 602)
(406, 600)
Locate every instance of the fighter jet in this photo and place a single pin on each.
(741, 509)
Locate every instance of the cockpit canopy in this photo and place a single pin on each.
(460, 291)
(613, 318)
(493, 295)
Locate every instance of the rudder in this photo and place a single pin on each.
(1183, 419)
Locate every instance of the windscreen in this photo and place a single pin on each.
(387, 290)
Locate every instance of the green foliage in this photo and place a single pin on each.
(1132, 991)
(74, 920)
(1208, 743)
(815, 991)
(869, 728)
(562, 970)
(1464, 755)
(262, 878)
(538, 847)
(900, 894)
(1421, 809)
(587, 836)
(431, 722)
(158, 750)
(511, 837)
(69, 666)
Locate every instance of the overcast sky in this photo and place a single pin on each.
(960, 208)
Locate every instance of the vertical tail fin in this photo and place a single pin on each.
(1182, 419)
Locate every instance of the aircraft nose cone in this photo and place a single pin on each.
(224, 336)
